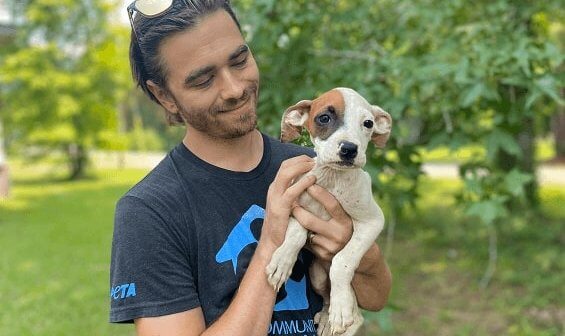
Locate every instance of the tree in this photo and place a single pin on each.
(6, 35)
(62, 85)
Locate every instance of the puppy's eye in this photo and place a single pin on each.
(324, 119)
(368, 123)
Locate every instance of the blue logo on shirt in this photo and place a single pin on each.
(122, 291)
(239, 238)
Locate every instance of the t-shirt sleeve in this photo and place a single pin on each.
(150, 273)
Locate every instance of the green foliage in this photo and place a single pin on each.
(452, 74)
(62, 83)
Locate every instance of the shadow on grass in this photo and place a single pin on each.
(52, 180)
(33, 193)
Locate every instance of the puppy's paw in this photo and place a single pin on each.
(354, 328)
(321, 319)
(342, 313)
(280, 268)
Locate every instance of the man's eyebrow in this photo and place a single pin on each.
(197, 73)
(242, 49)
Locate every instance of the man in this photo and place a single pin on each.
(193, 238)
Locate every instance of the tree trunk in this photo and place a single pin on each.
(525, 137)
(78, 158)
(558, 129)
(526, 140)
(4, 171)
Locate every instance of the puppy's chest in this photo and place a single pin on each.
(348, 189)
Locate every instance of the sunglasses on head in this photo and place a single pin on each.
(148, 9)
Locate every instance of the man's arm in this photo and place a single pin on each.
(372, 281)
(251, 309)
(249, 313)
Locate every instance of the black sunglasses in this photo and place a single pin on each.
(149, 9)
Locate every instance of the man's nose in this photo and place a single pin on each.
(233, 86)
(347, 151)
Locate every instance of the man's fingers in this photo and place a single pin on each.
(300, 158)
(290, 170)
(319, 250)
(299, 187)
(297, 160)
(330, 230)
(308, 220)
(329, 202)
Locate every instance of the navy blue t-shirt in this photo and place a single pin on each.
(184, 236)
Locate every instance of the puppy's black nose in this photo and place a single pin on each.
(347, 151)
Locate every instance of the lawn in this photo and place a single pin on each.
(55, 239)
(56, 236)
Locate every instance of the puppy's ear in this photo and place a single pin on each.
(293, 120)
(383, 125)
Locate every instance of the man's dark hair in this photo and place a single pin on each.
(146, 63)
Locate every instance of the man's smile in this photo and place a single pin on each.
(236, 108)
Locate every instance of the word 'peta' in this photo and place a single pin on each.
(123, 291)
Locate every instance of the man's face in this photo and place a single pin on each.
(212, 77)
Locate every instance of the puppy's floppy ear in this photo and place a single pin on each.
(383, 125)
(293, 120)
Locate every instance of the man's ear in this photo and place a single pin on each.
(164, 98)
(383, 125)
(293, 120)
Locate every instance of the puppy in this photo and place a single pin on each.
(341, 123)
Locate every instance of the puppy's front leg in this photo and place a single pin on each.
(344, 312)
(280, 267)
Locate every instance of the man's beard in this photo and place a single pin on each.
(214, 124)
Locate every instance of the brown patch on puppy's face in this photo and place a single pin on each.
(326, 114)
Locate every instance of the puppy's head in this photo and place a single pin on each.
(341, 123)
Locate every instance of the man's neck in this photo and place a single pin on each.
(241, 154)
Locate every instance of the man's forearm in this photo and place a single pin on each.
(251, 309)
(372, 281)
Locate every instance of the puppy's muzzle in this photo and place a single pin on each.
(347, 151)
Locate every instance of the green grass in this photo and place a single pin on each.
(54, 265)
(56, 236)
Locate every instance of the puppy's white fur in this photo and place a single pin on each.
(352, 188)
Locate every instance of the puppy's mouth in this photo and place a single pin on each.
(342, 164)
(345, 163)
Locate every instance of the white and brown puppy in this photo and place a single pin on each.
(341, 123)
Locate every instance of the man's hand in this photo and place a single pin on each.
(281, 198)
(329, 236)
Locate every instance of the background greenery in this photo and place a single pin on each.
(478, 84)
